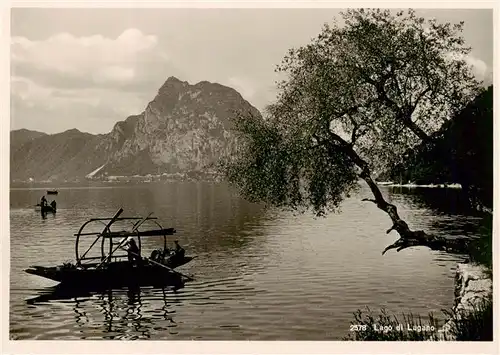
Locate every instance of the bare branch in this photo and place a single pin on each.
(355, 128)
(419, 132)
(397, 244)
(393, 227)
(419, 97)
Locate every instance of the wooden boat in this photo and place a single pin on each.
(52, 192)
(45, 209)
(110, 268)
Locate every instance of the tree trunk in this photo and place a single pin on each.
(408, 238)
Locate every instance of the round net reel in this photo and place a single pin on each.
(101, 240)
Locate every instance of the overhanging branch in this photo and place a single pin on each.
(408, 238)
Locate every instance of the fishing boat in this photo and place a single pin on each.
(52, 192)
(103, 263)
(45, 209)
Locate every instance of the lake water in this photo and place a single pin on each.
(260, 274)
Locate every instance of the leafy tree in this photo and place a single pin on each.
(353, 101)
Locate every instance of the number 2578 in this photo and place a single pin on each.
(358, 327)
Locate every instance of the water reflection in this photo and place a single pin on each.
(210, 216)
(260, 275)
(456, 218)
(81, 317)
(121, 310)
(442, 201)
(45, 214)
(49, 214)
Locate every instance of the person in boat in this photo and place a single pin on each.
(43, 201)
(133, 252)
(179, 251)
(158, 255)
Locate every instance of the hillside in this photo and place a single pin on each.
(461, 152)
(185, 128)
(53, 156)
(21, 136)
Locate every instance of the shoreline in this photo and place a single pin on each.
(473, 287)
(411, 185)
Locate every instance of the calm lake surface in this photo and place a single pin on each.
(260, 274)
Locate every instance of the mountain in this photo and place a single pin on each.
(55, 156)
(21, 136)
(185, 128)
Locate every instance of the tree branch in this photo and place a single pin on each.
(412, 126)
(379, 86)
(402, 114)
(419, 97)
(355, 108)
(355, 128)
(408, 238)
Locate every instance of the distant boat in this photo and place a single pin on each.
(45, 209)
(52, 192)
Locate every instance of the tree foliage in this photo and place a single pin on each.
(353, 101)
(280, 166)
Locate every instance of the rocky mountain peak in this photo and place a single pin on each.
(172, 84)
(184, 102)
(185, 128)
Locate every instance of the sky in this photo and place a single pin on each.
(90, 68)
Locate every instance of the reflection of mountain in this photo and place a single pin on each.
(121, 311)
(225, 232)
(208, 216)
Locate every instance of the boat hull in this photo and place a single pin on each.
(45, 209)
(48, 209)
(116, 274)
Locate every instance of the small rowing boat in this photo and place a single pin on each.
(45, 209)
(52, 192)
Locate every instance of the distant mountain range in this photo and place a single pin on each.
(186, 128)
(21, 136)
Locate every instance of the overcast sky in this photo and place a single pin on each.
(89, 68)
